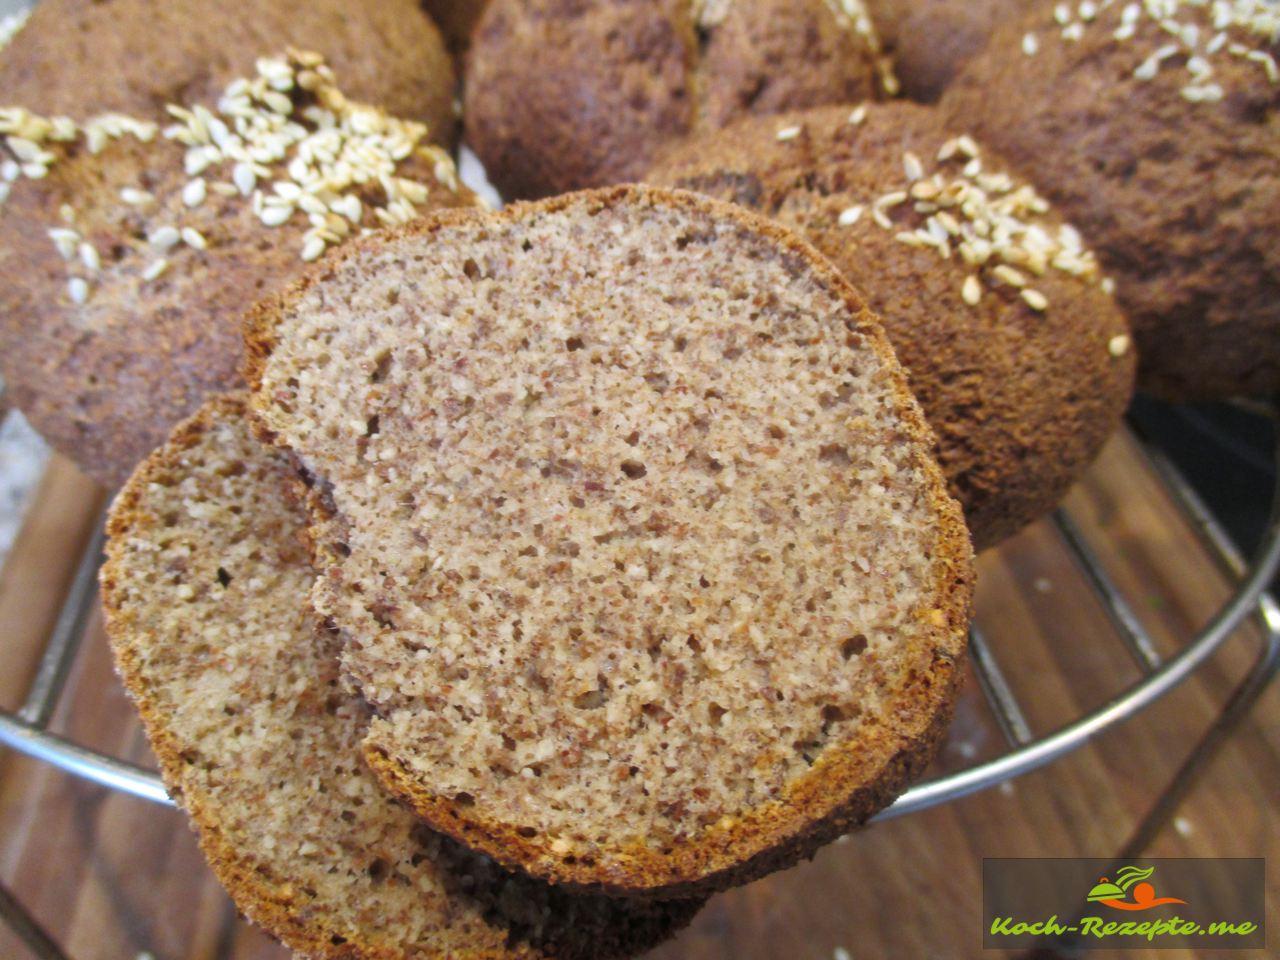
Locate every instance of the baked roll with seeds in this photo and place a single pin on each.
(142, 56)
(129, 249)
(205, 590)
(564, 96)
(994, 305)
(930, 40)
(1155, 128)
(630, 525)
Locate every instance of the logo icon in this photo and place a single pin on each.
(1129, 891)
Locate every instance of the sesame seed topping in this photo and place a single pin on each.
(195, 192)
(858, 115)
(850, 215)
(312, 248)
(154, 269)
(66, 241)
(194, 238)
(1118, 345)
(788, 133)
(1035, 300)
(162, 238)
(990, 220)
(1030, 45)
(135, 197)
(89, 257)
(78, 290)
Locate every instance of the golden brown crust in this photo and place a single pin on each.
(562, 95)
(1021, 401)
(845, 786)
(1179, 198)
(269, 897)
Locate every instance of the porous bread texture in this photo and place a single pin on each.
(205, 589)
(1021, 399)
(566, 95)
(1155, 128)
(629, 523)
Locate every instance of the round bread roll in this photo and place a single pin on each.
(930, 40)
(205, 591)
(1019, 358)
(630, 525)
(1156, 129)
(563, 96)
(124, 272)
(135, 57)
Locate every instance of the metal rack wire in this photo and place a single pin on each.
(26, 731)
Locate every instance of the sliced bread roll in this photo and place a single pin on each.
(205, 589)
(630, 525)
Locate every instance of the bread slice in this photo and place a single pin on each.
(630, 525)
(205, 589)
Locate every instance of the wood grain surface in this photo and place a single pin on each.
(112, 877)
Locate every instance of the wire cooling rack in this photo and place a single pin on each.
(27, 729)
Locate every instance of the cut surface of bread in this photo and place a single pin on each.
(629, 523)
(205, 589)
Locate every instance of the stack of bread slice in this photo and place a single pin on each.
(563, 565)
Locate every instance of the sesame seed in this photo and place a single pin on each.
(1118, 345)
(789, 133)
(135, 197)
(1035, 300)
(66, 241)
(164, 237)
(274, 216)
(244, 178)
(194, 193)
(972, 290)
(1030, 45)
(850, 215)
(89, 257)
(194, 238)
(78, 290)
(312, 249)
(912, 166)
(1009, 275)
(154, 269)
(858, 115)
(1073, 32)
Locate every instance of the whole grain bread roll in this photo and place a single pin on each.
(126, 266)
(205, 590)
(929, 41)
(1156, 129)
(630, 524)
(82, 58)
(955, 256)
(561, 96)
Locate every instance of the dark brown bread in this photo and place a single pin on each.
(1021, 399)
(457, 21)
(205, 590)
(84, 57)
(104, 380)
(564, 94)
(1175, 180)
(930, 40)
(629, 522)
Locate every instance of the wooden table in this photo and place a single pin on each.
(111, 877)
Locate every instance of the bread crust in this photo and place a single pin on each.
(104, 381)
(1021, 401)
(270, 901)
(1178, 198)
(563, 95)
(845, 786)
